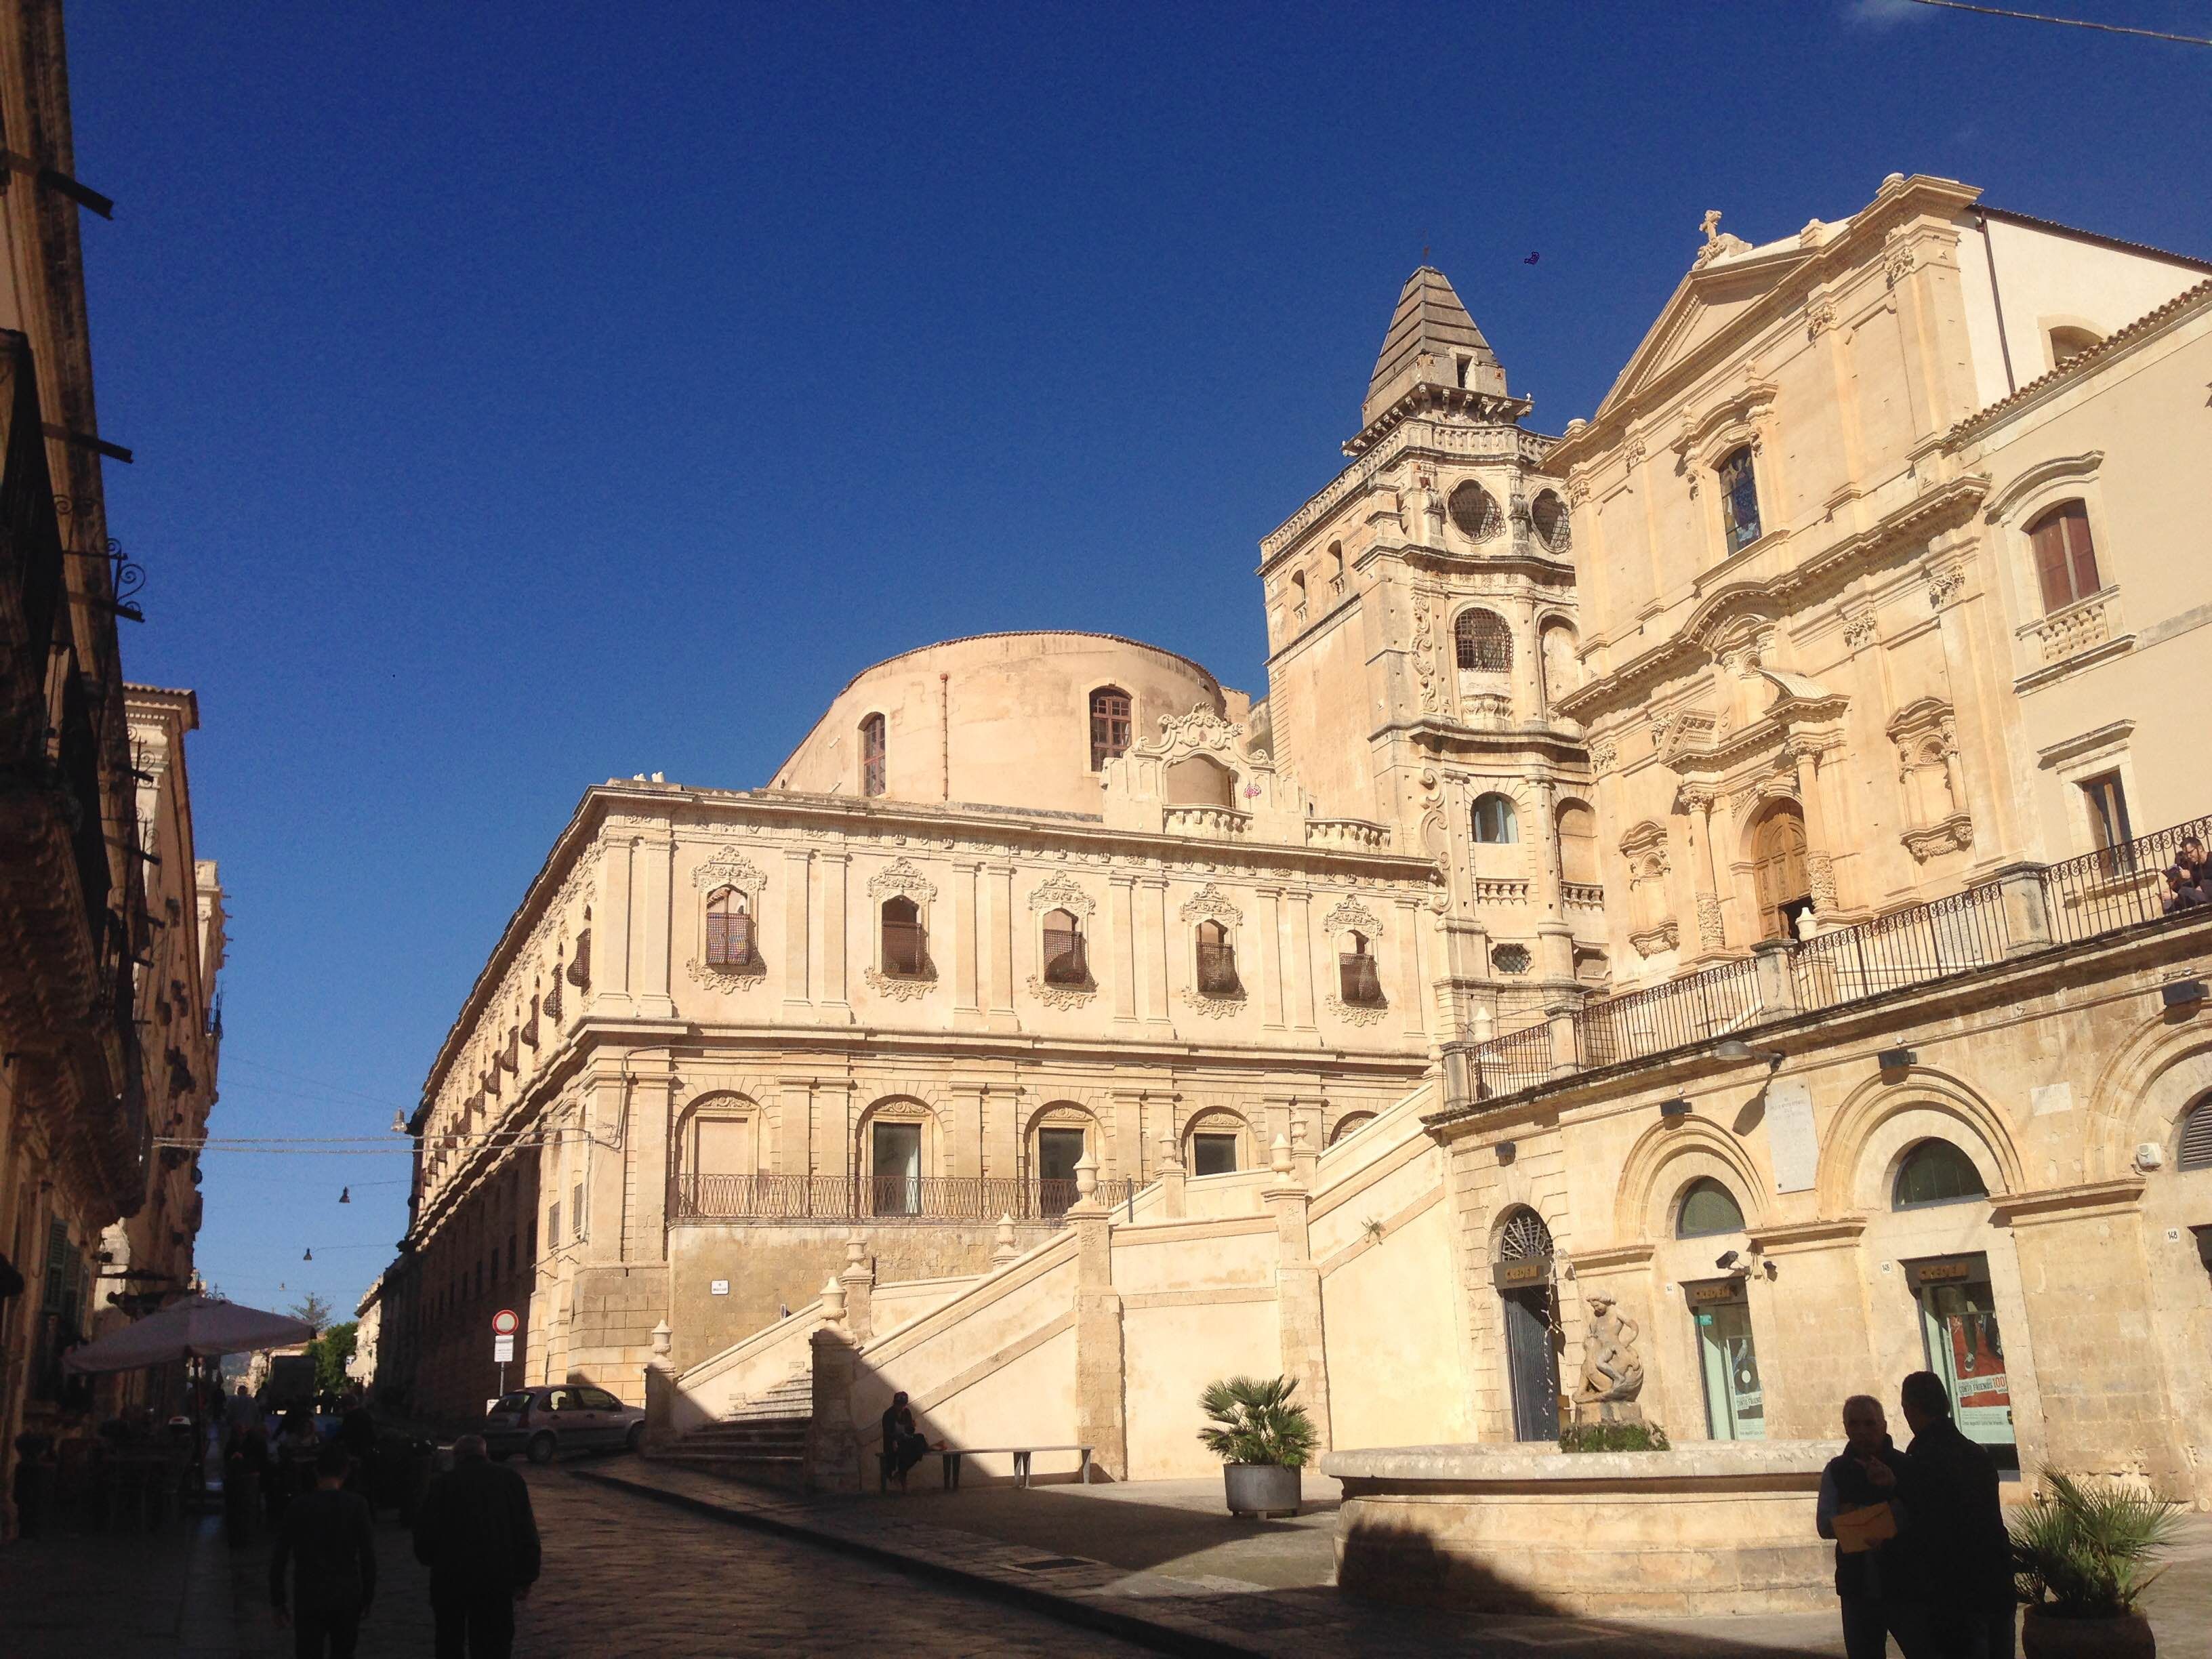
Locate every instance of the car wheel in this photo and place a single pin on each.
(635, 1441)
(542, 1447)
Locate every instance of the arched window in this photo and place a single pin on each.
(1109, 725)
(872, 753)
(1577, 830)
(1484, 643)
(1336, 567)
(2196, 1137)
(1739, 499)
(2067, 342)
(1217, 962)
(1349, 1124)
(729, 930)
(1215, 1139)
(2065, 558)
(1298, 594)
(1496, 823)
(1547, 515)
(1358, 983)
(1064, 962)
(1936, 1172)
(1474, 512)
(906, 948)
(1708, 1208)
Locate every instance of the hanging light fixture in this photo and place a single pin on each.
(345, 1194)
(309, 1256)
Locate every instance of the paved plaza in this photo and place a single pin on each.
(642, 1558)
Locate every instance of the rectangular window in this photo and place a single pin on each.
(1361, 985)
(1966, 1348)
(2108, 817)
(1213, 1154)
(1736, 1403)
(576, 1208)
(1110, 727)
(2065, 557)
(897, 1148)
(553, 1226)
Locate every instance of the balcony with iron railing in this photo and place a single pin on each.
(2028, 909)
(695, 1199)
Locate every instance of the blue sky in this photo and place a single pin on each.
(529, 394)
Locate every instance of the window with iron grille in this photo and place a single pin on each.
(905, 948)
(729, 930)
(2196, 1137)
(1109, 725)
(1474, 511)
(580, 968)
(1739, 499)
(1217, 962)
(873, 754)
(1484, 643)
(2065, 557)
(1359, 983)
(1511, 959)
(1548, 514)
(1064, 962)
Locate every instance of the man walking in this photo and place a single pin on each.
(329, 1538)
(476, 1534)
(1961, 1540)
(1864, 1507)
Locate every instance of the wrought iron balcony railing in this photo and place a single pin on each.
(706, 1198)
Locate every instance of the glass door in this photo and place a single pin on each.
(1959, 1326)
(1735, 1404)
(897, 1169)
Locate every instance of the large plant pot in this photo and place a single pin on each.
(2042, 1636)
(1261, 1489)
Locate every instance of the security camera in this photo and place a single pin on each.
(1724, 1260)
(2150, 1156)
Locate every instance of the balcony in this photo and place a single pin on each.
(1208, 823)
(1347, 835)
(2099, 894)
(2080, 630)
(695, 1199)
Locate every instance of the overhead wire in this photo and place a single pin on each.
(2069, 23)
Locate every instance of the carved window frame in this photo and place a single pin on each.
(727, 870)
(900, 879)
(2011, 512)
(1211, 904)
(1218, 1120)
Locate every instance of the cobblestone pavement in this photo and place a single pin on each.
(623, 1576)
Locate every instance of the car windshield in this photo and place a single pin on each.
(511, 1402)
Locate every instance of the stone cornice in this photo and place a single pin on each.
(1825, 573)
(2057, 1204)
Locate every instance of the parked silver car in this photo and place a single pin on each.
(557, 1417)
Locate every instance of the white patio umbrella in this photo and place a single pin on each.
(198, 1328)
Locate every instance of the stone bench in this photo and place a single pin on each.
(952, 1455)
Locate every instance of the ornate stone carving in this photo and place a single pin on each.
(728, 868)
(902, 879)
(1061, 893)
(1355, 1013)
(1351, 917)
(1061, 996)
(1611, 1372)
(1578, 488)
(1820, 877)
(1213, 1007)
(1898, 265)
(900, 987)
(1665, 936)
(1819, 317)
(1424, 658)
(1210, 903)
(1859, 629)
(1633, 454)
(1201, 728)
(1603, 754)
(1709, 921)
(1953, 835)
(1717, 242)
(726, 979)
(1943, 586)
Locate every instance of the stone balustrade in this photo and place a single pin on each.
(1347, 835)
(1213, 823)
(1491, 890)
(2081, 626)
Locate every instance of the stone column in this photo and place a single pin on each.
(1820, 850)
(2027, 908)
(610, 925)
(1697, 804)
(1298, 962)
(830, 870)
(1101, 1419)
(833, 1446)
(1778, 987)
(1267, 943)
(1412, 992)
(1298, 1291)
(652, 1099)
(1124, 961)
(797, 992)
(1000, 930)
(966, 964)
(858, 1282)
(650, 877)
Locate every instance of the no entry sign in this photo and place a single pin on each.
(504, 1323)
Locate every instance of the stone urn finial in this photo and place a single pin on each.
(1004, 1250)
(1170, 1154)
(1086, 1175)
(856, 1247)
(1280, 1155)
(833, 1302)
(663, 1342)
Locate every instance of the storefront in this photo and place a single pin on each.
(1735, 1404)
(1959, 1329)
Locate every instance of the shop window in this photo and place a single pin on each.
(2196, 1137)
(1708, 1208)
(1484, 643)
(1217, 962)
(1936, 1172)
(1213, 1152)
(1727, 1359)
(906, 946)
(1109, 725)
(873, 755)
(729, 930)
(1358, 983)
(2066, 555)
(1064, 962)
(1739, 499)
(1496, 823)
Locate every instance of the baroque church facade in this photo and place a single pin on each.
(1710, 859)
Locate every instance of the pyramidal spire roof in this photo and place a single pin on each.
(1432, 342)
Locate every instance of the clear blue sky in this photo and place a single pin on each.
(529, 394)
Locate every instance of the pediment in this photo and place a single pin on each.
(1704, 304)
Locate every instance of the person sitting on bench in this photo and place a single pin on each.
(904, 1444)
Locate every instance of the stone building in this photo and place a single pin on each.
(95, 935)
(1713, 858)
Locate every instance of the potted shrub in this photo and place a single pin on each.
(1263, 1439)
(2080, 1559)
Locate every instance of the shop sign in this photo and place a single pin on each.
(1954, 1271)
(1714, 1289)
(1522, 1275)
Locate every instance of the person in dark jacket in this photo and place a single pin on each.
(476, 1533)
(1960, 1541)
(1864, 1507)
(904, 1445)
(329, 1540)
(357, 1434)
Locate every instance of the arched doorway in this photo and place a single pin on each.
(1778, 852)
(1523, 1273)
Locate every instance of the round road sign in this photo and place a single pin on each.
(503, 1322)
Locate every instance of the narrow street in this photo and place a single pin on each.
(623, 1576)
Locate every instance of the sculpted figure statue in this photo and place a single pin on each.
(1611, 1370)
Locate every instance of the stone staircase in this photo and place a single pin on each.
(762, 1441)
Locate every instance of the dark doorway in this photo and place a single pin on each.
(1523, 1276)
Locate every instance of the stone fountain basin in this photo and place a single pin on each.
(1713, 1527)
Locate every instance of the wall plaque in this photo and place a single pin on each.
(1789, 1138)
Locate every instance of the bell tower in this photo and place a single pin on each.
(1420, 626)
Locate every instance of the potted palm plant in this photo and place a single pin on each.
(1263, 1439)
(2080, 1557)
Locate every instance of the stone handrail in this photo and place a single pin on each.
(1583, 892)
(1218, 823)
(1353, 835)
(1492, 891)
(710, 1389)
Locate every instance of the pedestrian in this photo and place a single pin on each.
(1864, 1507)
(904, 1444)
(357, 1434)
(475, 1534)
(2189, 877)
(329, 1540)
(1961, 1544)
